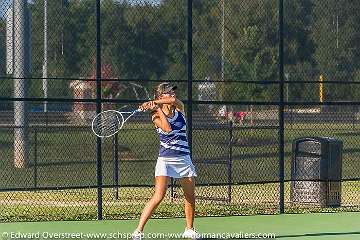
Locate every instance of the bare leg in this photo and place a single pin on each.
(160, 191)
(188, 185)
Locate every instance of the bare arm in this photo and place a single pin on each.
(159, 119)
(173, 101)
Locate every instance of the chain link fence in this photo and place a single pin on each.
(254, 77)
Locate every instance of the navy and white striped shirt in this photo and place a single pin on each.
(174, 143)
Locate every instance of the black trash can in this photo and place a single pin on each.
(316, 171)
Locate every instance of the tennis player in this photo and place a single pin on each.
(167, 114)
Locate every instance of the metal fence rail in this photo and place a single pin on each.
(254, 76)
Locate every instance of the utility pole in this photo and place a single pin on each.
(45, 65)
(287, 86)
(21, 67)
(222, 40)
(321, 89)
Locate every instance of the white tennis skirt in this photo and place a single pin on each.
(176, 167)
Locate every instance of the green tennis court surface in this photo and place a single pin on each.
(288, 226)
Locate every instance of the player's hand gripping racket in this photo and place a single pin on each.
(109, 122)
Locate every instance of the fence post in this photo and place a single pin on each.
(35, 158)
(98, 110)
(116, 164)
(172, 189)
(291, 117)
(230, 160)
(281, 105)
(20, 73)
(353, 117)
(189, 69)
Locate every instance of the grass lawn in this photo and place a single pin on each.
(68, 158)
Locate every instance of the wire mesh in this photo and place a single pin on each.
(48, 97)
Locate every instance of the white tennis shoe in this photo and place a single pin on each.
(191, 233)
(137, 235)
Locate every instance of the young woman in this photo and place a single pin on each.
(167, 114)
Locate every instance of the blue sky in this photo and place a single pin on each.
(5, 4)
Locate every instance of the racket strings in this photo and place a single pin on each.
(107, 124)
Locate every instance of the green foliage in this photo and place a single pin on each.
(144, 41)
(172, 23)
(251, 48)
(302, 71)
(6, 85)
(2, 47)
(146, 44)
(298, 19)
(336, 38)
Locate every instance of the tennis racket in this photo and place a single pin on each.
(109, 122)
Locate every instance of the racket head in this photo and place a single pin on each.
(107, 123)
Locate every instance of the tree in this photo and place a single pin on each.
(335, 34)
(82, 37)
(6, 86)
(299, 46)
(146, 43)
(2, 47)
(58, 40)
(110, 89)
(299, 51)
(115, 35)
(252, 43)
(251, 48)
(206, 40)
(172, 24)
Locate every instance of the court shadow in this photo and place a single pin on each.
(298, 235)
(318, 234)
(283, 236)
